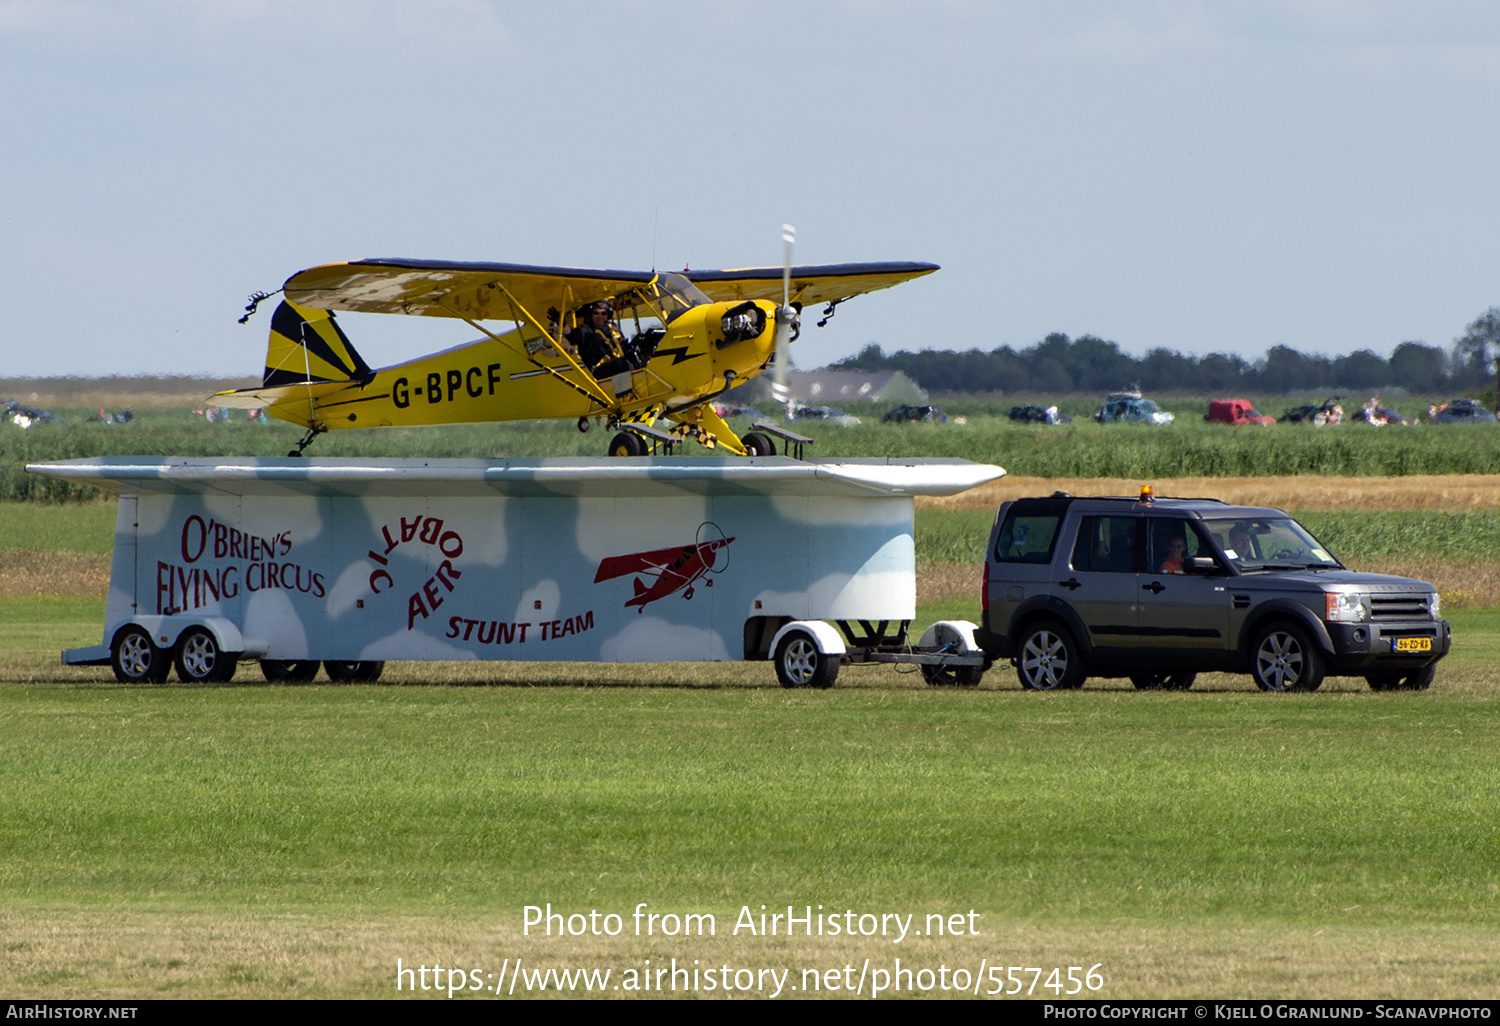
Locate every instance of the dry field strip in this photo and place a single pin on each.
(1449, 493)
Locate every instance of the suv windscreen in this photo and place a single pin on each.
(1254, 544)
(1029, 532)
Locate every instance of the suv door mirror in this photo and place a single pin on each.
(1200, 565)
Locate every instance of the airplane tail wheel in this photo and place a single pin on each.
(757, 444)
(627, 443)
(583, 425)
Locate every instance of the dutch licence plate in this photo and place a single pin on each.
(1411, 644)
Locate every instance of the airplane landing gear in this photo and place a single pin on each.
(312, 432)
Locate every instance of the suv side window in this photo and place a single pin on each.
(1029, 532)
(1172, 540)
(1108, 545)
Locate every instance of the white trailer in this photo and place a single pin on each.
(353, 562)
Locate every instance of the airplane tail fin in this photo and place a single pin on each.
(307, 345)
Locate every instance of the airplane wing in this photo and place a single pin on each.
(811, 283)
(636, 562)
(433, 288)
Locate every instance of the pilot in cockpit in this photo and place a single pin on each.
(596, 337)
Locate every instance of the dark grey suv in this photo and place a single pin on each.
(1159, 590)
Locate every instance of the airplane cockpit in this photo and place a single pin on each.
(650, 308)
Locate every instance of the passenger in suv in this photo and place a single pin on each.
(1161, 590)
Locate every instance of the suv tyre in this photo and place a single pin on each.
(1284, 658)
(1048, 659)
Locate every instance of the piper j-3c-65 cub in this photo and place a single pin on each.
(624, 347)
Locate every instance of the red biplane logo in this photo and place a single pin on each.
(672, 569)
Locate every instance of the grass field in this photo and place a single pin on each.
(271, 841)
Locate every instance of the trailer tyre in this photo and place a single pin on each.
(799, 663)
(200, 660)
(136, 660)
(353, 673)
(289, 671)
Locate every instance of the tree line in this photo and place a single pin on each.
(1088, 363)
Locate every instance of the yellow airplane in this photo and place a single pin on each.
(663, 346)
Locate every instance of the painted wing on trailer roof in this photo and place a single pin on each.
(433, 288)
(811, 283)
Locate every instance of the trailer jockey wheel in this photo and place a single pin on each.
(199, 660)
(136, 660)
(799, 664)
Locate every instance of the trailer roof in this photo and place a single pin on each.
(571, 477)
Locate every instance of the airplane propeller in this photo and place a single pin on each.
(787, 319)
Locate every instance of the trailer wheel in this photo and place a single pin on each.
(289, 671)
(199, 660)
(353, 673)
(136, 660)
(627, 443)
(799, 664)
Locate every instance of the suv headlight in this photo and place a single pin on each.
(1437, 606)
(1346, 607)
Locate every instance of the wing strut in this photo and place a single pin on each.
(595, 394)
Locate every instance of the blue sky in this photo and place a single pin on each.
(1201, 176)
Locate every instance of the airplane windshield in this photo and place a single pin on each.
(670, 294)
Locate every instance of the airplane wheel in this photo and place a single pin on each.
(353, 673)
(583, 425)
(757, 444)
(627, 443)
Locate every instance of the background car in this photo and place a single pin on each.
(1235, 411)
(1461, 411)
(1039, 415)
(1328, 412)
(1120, 407)
(910, 413)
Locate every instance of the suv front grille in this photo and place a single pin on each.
(1389, 608)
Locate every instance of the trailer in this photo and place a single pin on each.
(350, 563)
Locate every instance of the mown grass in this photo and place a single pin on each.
(1187, 448)
(335, 828)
